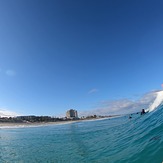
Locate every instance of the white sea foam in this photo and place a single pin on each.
(13, 125)
(157, 102)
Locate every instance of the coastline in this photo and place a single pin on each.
(7, 125)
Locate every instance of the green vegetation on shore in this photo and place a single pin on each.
(39, 119)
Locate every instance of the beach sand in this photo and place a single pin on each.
(37, 124)
(21, 125)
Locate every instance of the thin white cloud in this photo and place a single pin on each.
(122, 106)
(7, 113)
(94, 90)
(10, 72)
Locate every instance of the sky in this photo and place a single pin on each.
(59, 54)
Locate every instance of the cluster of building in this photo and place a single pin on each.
(70, 115)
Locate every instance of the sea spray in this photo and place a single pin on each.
(157, 101)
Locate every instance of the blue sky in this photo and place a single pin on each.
(56, 55)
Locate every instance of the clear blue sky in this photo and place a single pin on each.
(61, 54)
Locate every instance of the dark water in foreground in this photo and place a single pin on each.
(119, 140)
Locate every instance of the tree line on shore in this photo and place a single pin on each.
(32, 119)
(39, 119)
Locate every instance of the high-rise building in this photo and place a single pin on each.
(72, 113)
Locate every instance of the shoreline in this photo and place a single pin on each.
(7, 125)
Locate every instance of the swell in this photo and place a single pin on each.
(146, 138)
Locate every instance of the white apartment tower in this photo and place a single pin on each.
(72, 113)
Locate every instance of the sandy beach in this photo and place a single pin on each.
(37, 124)
(22, 125)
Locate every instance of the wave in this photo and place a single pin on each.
(157, 102)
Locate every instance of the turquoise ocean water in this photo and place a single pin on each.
(118, 140)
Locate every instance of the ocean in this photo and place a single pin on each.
(116, 140)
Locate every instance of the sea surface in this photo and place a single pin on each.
(117, 140)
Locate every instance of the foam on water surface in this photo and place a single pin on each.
(158, 101)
